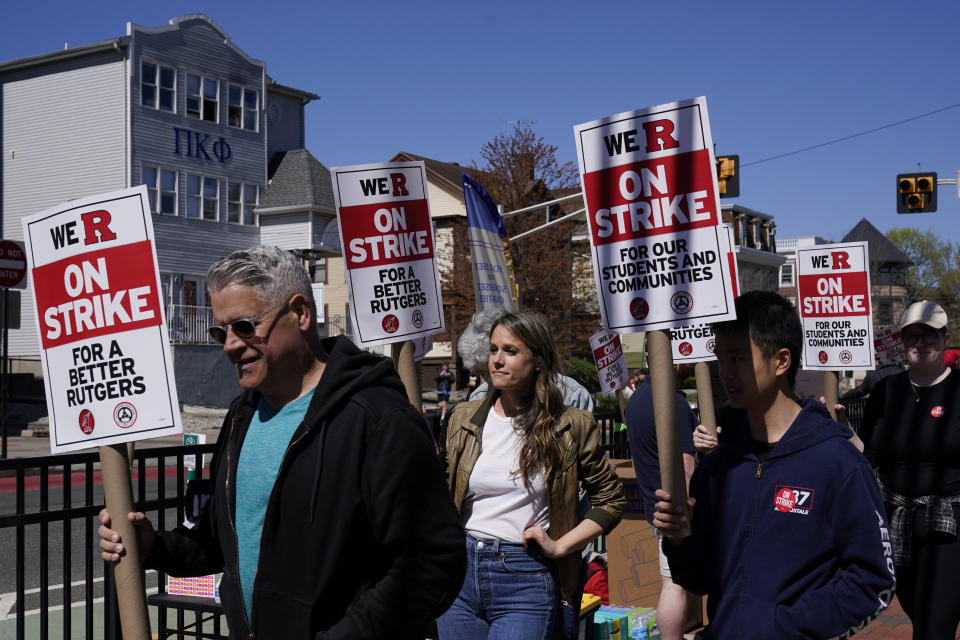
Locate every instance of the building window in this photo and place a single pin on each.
(243, 107)
(203, 197)
(158, 86)
(161, 189)
(241, 200)
(885, 312)
(320, 271)
(203, 97)
(786, 274)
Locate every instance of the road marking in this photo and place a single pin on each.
(8, 601)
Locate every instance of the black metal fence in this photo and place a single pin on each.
(48, 541)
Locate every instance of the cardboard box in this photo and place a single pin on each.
(633, 559)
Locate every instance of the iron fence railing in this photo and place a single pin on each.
(52, 581)
(188, 324)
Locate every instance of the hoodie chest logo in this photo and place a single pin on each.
(787, 499)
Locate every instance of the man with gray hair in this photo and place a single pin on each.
(329, 515)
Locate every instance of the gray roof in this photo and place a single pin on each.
(880, 248)
(298, 180)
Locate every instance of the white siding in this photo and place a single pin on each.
(64, 137)
(444, 201)
(286, 230)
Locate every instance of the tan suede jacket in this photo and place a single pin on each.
(583, 461)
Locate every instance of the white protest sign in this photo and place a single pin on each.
(833, 292)
(693, 343)
(650, 185)
(106, 356)
(389, 251)
(609, 360)
(888, 345)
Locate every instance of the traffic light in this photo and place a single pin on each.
(916, 192)
(728, 176)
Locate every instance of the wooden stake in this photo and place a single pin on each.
(128, 575)
(664, 389)
(402, 354)
(708, 417)
(831, 390)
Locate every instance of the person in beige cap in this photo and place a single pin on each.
(911, 431)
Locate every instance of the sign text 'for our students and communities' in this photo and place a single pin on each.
(654, 215)
(833, 293)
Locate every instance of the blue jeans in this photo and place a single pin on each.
(508, 594)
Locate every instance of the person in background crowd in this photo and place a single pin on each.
(515, 460)
(642, 433)
(636, 379)
(445, 380)
(328, 515)
(474, 346)
(788, 536)
(911, 433)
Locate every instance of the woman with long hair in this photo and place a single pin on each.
(515, 461)
(911, 433)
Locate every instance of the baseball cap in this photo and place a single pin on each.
(924, 312)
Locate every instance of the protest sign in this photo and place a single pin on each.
(692, 343)
(695, 343)
(389, 251)
(833, 294)
(653, 209)
(106, 356)
(888, 346)
(608, 358)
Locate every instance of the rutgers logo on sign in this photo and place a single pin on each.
(788, 499)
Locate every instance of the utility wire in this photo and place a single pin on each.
(850, 137)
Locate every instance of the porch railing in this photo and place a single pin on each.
(188, 324)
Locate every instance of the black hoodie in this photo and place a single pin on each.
(360, 536)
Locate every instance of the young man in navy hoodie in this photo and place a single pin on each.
(788, 533)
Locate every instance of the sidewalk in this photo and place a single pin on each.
(892, 624)
(35, 442)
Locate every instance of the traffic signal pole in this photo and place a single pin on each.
(949, 181)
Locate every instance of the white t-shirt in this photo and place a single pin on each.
(497, 504)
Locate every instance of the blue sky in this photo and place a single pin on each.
(440, 78)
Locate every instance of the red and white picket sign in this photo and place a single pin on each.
(650, 186)
(389, 251)
(833, 294)
(106, 355)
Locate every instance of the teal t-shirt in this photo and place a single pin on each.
(267, 439)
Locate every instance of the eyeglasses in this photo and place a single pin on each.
(926, 338)
(244, 328)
